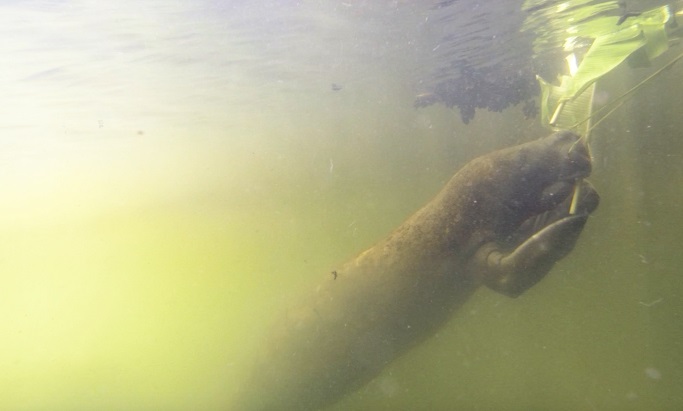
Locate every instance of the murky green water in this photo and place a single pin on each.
(173, 175)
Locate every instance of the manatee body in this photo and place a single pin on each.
(502, 221)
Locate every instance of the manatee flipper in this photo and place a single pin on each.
(545, 239)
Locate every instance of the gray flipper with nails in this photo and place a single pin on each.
(502, 221)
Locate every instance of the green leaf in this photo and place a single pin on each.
(643, 39)
(607, 52)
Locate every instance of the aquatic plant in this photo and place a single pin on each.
(483, 87)
(601, 41)
(635, 38)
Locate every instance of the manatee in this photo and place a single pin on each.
(502, 221)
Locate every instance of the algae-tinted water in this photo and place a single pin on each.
(173, 174)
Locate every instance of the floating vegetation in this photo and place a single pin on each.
(487, 87)
(637, 40)
(595, 36)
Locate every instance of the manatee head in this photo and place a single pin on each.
(533, 178)
(536, 204)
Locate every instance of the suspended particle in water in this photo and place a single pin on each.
(653, 373)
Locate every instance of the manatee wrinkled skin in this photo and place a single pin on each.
(502, 221)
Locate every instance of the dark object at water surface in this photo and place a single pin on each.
(475, 88)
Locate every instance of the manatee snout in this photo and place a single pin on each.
(574, 156)
(566, 161)
(553, 219)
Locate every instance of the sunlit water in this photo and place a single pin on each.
(174, 173)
